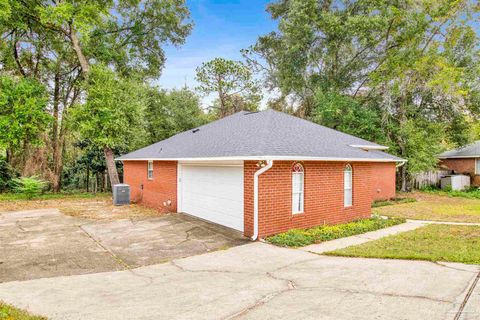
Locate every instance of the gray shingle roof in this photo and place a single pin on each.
(262, 134)
(469, 151)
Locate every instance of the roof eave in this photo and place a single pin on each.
(277, 158)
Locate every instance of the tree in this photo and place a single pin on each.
(56, 42)
(113, 115)
(23, 114)
(410, 67)
(168, 113)
(232, 82)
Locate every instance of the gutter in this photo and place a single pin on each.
(400, 163)
(255, 197)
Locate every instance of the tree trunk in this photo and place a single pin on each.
(55, 143)
(112, 168)
(79, 52)
(403, 178)
(88, 178)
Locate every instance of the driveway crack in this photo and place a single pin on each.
(98, 243)
(467, 297)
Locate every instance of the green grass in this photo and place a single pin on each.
(451, 243)
(383, 203)
(52, 196)
(472, 193)
(303, 237)
(8, 312)
(434, 206)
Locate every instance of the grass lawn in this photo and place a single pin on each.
(8, 312)
(434, 206)
(450, 243)
(303, 237)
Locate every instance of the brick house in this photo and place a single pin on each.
(465, 160)
(262, 173)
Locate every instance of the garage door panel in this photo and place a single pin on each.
(213, 193)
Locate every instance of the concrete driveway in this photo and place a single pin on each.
(45, 243)
(257, 281)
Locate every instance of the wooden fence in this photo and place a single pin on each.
(430, 178)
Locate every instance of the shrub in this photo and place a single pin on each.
(303, 237)
(7, 173)
(30, 187)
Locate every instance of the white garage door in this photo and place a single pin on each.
(213, 193)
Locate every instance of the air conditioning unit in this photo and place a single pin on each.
(121, 194)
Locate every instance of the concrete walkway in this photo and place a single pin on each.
(361, 238)
(257, 281)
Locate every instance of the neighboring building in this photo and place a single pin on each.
(464, 160)
(262, 173)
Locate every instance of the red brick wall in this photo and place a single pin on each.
(383, 180)
(323, 196)
(463, 166)
(162, 188)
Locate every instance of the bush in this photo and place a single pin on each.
(382, 203)
(471, 193)
(303, 237)
(30, 187)
(7, 173)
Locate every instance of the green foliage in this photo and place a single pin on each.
(113, 113)
(23, 114)
(8, 312)
(471, 193)
(303, 237)
(383, 203)
(232, 81)
(170, 112)
(345, 114)
(29, 187)
(7, 173)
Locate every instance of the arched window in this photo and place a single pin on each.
(297, 188)
(347, 186)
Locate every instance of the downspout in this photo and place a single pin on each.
(255, 197)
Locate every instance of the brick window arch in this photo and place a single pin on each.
(298, 177)
(348, 186)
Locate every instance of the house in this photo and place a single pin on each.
(262, 173)
(465, 160)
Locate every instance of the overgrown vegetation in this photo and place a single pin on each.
(470, 193)
(433, 243)
(28, 187)
(8, 312)
(304, 237)
(383, 203)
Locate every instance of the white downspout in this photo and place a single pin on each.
(255, 197)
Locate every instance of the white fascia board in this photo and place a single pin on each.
(368, 147)
(292, 158)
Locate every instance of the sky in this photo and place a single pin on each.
(221, 29)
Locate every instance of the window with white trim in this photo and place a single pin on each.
(477, 166)
(150, 170)
(347, 186)
(297, 188)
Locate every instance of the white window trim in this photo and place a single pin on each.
(348, 168)
(477, 166)
(150, 170)
(302, 193)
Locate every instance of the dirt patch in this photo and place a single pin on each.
(95, 208)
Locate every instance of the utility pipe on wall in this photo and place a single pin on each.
(255, 197)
